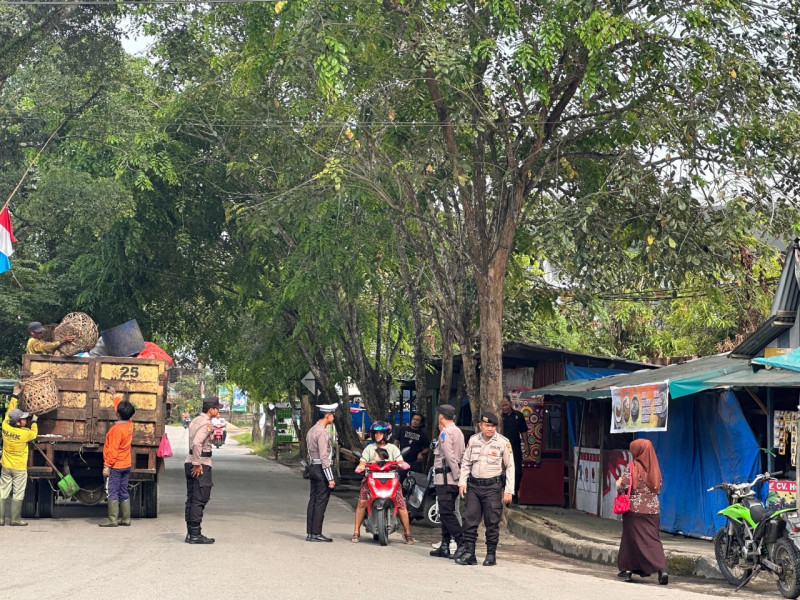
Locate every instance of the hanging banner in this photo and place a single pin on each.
(239, 400)
(532, 408)
(639, 407)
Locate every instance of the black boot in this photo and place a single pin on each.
(663, 578)
(462, 547)
(468, 558)
(443, 550)
(196, 537)
(491, 555)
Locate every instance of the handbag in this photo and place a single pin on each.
(622, 504)
(164, 448)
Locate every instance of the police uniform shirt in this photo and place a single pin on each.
(319, 448)
(488, 458)
(200, 433)
(448, 453)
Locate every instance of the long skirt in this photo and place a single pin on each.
(640, 549)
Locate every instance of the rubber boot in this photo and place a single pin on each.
(491, 555)
(16, 513)
(196, 536)
(443, 550)
(113, 515)
(468, 558)
(3, 512)
(125, 512)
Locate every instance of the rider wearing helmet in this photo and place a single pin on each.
(381, 433)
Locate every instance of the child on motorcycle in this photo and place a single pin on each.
(381, 434)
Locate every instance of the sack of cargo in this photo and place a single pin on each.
(81, 326)
(152, 350)
(39, 394)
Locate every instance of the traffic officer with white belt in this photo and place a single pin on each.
(447, 466)
(487, 481)
(320, 455)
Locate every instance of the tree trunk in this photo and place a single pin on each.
(471, 383)
(446, 375)
(307, 420)
(269, 425)
(255, 430)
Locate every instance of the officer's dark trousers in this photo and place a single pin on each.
(317, 501)
(198, 493)
(486, 500)
(447, 495)
(517, 468)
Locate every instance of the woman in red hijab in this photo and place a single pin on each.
(640, 550)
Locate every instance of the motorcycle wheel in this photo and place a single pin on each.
(729, 566)
(218, 442)
(430, 512)
(383, 527)
(786, 555)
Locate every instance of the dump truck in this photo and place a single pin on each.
(73, 434)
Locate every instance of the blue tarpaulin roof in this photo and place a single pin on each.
(790, 361)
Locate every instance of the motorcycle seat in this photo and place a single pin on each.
(758, 513)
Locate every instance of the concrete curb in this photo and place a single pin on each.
(539, 531)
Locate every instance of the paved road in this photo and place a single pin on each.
(257, 515)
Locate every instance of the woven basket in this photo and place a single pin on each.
(82, 327)
(48, 335)
(39, 394)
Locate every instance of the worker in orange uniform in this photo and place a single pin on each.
(117, 463)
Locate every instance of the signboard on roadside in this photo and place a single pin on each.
(640, 407)
(239, 400)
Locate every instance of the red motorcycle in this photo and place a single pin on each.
(382, 483)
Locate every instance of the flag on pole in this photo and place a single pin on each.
(6, 238)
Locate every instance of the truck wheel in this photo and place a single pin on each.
(150, 499)
(29, 501)
(47, 499)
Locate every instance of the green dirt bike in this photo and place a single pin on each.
(757, 539)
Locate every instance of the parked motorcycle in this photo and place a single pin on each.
(382, 484)
(420, 494)
(756, 538)
(218, 436)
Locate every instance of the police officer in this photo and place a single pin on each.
(487, 481)
(515, 427)
(320, 453)
(197, 469)
(447, 466)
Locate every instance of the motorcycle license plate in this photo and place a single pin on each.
(383, 475)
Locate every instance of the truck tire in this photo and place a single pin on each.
(150, 499)
(47, 499)
(29, 501)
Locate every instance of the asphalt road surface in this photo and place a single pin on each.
(257, 515)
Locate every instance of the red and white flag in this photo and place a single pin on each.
(6, 239)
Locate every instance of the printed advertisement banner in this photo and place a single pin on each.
(532, 408)
(640, 408)
(239, 400)
(782, 494)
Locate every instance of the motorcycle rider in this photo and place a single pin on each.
(220, 423)
(381, 433)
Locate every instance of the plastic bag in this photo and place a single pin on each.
(164, 448)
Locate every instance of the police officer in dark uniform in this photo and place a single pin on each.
(447, 466)
(197, 469)
(487, 481)
(320, 455)
(514, 428)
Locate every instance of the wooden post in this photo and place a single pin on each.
(770, 442)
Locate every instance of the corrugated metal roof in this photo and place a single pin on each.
(787, 294)
(691, 374)
(755, 343)
(760, 378)
(7, 385)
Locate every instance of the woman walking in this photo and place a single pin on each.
(640, 550)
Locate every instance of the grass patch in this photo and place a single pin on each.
(258, 448)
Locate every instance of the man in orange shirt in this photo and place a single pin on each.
(117, 464)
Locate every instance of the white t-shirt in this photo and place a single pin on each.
(218, 422)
